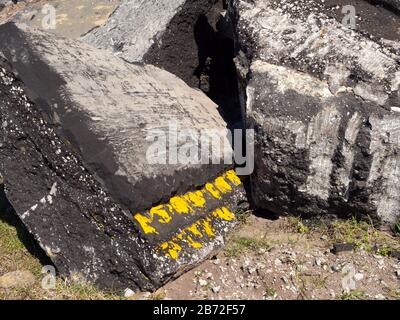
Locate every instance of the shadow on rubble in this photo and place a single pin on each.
(386, 5)
(8, 215)
(216, 70)
(217, 74)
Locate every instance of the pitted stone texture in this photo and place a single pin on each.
(71, 19)
(134, 26)
(74, 220)
(323, 100)
(162, 33)
(73, 156)
(109, 109)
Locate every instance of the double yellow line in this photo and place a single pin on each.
(188, 204)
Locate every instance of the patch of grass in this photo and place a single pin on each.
(14, 238)
(14, 255)
(393, 293)
(384, 251)
(353, 295)
(396, 229)
(242, 215)
(241, 245)
(82, 291)
(301, 228)
(309, 282)
(298, 226)
(9, 238)
(270, 292)
(158, 295)
(363, 235)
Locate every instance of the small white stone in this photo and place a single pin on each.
(358, 276)
(203, 282)
(216, 289)
(278, 262)
(320, 262)
(128, 293)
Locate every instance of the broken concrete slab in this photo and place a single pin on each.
(177, 35)
(75, 122)
(9, 8)
(133, 27)
(390, 4)
(322, 99)
(185, 37)
(198, 46)
(168, 39)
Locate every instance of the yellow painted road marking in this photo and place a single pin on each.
(232, 177)
(200, 230)
(213, 191)
(188, 203)
(180, 205)
(145, 223)
(222, 185)
(224, 214)
(196, 199)
(162, 213)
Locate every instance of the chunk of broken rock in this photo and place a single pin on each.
(17, 280)
(320, 98)
(76, 124)
(343, 247)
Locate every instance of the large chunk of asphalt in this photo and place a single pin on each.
(74, 122)
(188, 38)
(324, 101)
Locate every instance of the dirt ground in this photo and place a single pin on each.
(286, 259)
(267, 259)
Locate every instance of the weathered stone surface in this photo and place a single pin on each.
(73, 156)
(162, 33)
(17, 280)
(197, 46)
(72, 18)
(393, 3)
(188, 38)
(324, 101)
(180, 35)
(133, 27)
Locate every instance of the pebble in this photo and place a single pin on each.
(216, 289)
(358, 276)
(128, 293)
(336, 268)
(278, 262)
(17, 279)
(203, 282)
(320, 262)
(139, 296)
